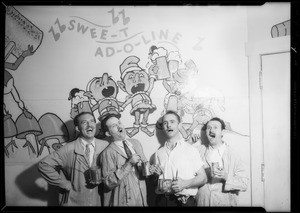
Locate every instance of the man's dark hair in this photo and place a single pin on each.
(172, 113)
(76, 119)
(223, 126)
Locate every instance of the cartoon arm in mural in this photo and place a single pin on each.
(167, 85)
(137, 83)
(174, 60)
(9, 86)
(16, 64)
(22, 39)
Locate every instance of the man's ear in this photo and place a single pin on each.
(107, 134)
(77, 129)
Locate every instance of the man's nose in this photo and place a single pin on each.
(168, 125)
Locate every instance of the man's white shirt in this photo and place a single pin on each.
(182, 161)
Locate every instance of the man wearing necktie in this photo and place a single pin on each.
(120, 163)
(68, 167)
(127, 150)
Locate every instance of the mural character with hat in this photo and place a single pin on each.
(138, 84)
(104, 91)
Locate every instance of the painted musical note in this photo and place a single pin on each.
(55, 35)
(115, 18)
(125, 19)
(62, 28)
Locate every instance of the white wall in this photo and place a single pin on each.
(213, 37)
(261, 19)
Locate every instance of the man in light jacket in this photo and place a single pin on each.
(120, 164)
(226, 172)
(68, 167)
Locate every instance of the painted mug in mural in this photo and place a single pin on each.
(163, 69)
(281, 29)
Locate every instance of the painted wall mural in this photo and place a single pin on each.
(122, 60)
(22, 39)
(133, 61)
(164, 66)
(61, 61)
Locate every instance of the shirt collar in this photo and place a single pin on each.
(120, 143)
(84, 142)
(220, 149)
(178, 143)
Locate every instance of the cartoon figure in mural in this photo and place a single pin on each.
(10, 130)
(200, 116)
(176, 84)
(138, 84)
(22, 39)
(79, 102)
(104, 91)
(27, 127)
(9, 88)
(203, 104)
(176, 79)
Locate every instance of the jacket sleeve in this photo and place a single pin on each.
(111, 172)
(238, 178)
(50, 169)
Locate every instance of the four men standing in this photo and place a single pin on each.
(210, 176)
